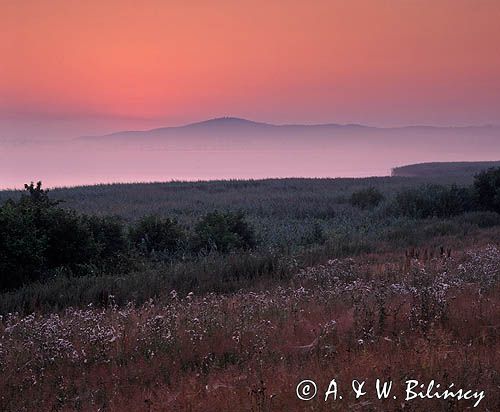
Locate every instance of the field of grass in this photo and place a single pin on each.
(293, 197)
(331, 290)
(388, 316)
(283, 211)
(298, 223)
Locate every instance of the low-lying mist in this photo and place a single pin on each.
(239, 150)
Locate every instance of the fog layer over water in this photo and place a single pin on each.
(239, 151)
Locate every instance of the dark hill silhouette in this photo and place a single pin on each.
(231, 147)
(347, 143)
(238, 126)
(235, 126)
(458, 169)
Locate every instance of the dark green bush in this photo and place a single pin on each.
(223, 232)
(69, 239)
(156, 235)
(487, 190)
(38, 238)
(108, 234)
(22, 246)
(433, 201)
(366, 198)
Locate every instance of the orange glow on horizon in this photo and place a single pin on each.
(323, 60)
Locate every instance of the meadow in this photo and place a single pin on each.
(386, 316)
(393, 278)
(297, 223)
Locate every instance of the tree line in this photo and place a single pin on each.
(39, 239)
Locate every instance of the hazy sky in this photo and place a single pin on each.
(97, 65)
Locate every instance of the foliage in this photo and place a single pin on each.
(223, 232)
(366, 198)
(153, 235)
(108, 234)
(479, 219)
(315, 236)
(38, 237)
(37, 195)
(263, 307)
(313, 219)
(487, 189)
(437, 316)
(22, 246)
(433, 201)
(282, 211)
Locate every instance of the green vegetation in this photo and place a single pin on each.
(446, 201)
(224, 232)
(487, 190)
(39, 239)
(155, 235)
(433, 201)
(366, 198)
(56, 250)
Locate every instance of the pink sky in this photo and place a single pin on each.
(73, 67)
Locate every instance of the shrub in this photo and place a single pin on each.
(108, 234)
(69, 240)
(36, 195)
(22, 247)
(223, 232)
(366, 198)
(153, 234)
(487, 190)
(37, 237)
(433, 201)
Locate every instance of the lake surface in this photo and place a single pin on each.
(76, 162)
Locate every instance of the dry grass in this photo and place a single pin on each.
(389, 317)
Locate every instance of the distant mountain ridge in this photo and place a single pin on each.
(347, 146)
(233, 124)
